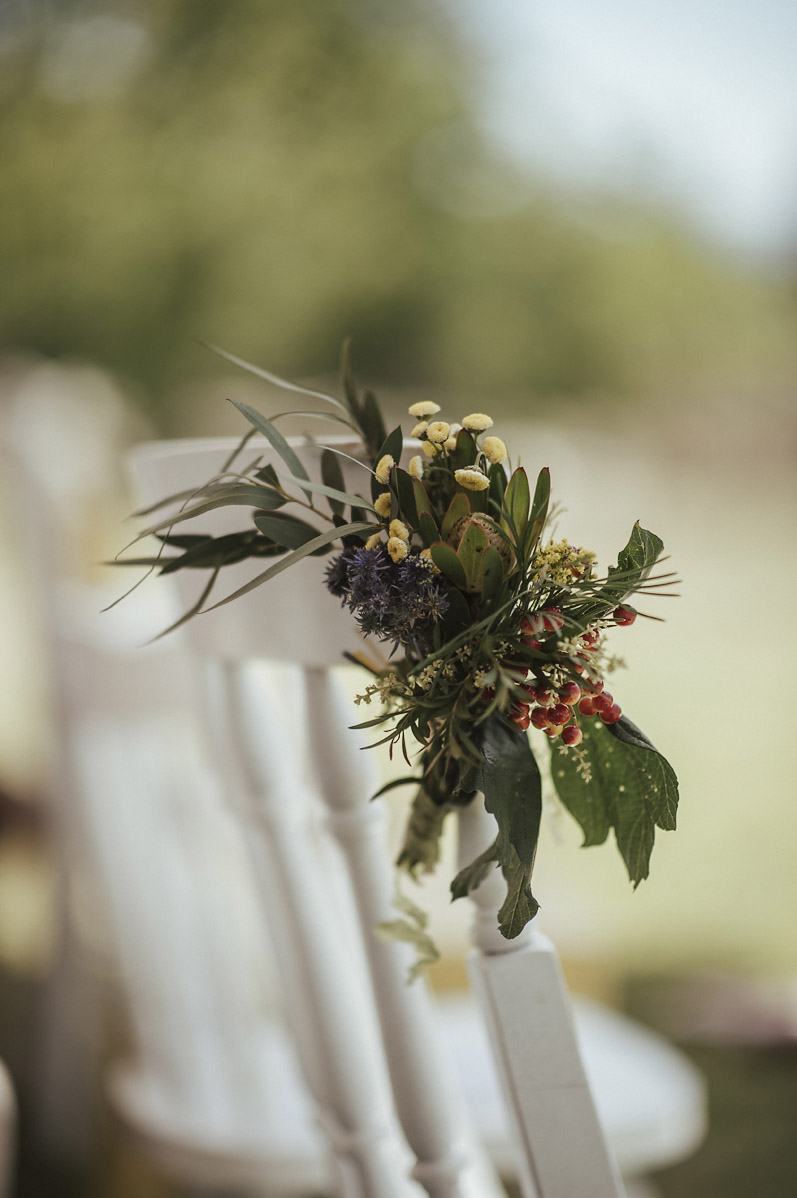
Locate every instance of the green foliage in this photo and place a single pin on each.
(632, 789)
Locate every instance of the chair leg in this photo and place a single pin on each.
(561, 1149)
(449, 1163)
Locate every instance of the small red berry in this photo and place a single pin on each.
(532, 642)
(552, 619)
(594, 686)
(570, 693)
(612, 714)
(553, 730)
(572, 735)
(559, 714)
(539, 717)
(624, 614)
(603, 701)
(488, 694)
(521, 718)
(587, 706)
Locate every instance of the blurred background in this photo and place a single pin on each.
(578, 217)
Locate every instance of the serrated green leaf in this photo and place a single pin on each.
(633, 789)
(473, 875)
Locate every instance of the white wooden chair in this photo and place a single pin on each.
(560, 1147)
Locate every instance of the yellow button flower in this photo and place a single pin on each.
(429, 448)
(438, 431)
(424, 407)
(397, 529)
(383, 468)
(420, 428)
(477, 422)
(382, 504)
(374, 542)
(494, 449)
(397, 549)
(472, 479)
(416, 466)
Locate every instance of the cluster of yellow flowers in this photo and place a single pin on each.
(562, 562)
(438, 436)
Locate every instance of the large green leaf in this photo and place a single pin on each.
(632, 789)
(471, 551)
(634, 563)
(458, 509)
(510, 781)
(447, 562)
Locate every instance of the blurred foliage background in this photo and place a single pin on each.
(274, 177)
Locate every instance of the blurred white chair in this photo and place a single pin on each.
(547, 1095)
(8, 1127)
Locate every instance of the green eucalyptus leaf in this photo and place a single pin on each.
(408, 509)
(372, 424)
(422, 502)
(311, 547)
(275, 438)
(273, 378)
(632, 790)
(245, 495)
(429, 530)
(289, 531)
(332, 477)
(331, 492)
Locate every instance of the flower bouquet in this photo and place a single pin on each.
(491, 628)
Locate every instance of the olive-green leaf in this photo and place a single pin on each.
(632, 790)
(447, 562)
(286, 530)
(332, 477)
(274, 437)
(458, 509)
(517, 498)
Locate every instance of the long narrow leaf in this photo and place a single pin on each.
(325, 539)
(272, 378)
(331, 492)
(275, 438)
(255, 497)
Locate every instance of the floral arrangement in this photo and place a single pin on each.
(492, 627)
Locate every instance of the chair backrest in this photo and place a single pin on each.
(8, 1126)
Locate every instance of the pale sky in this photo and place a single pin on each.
(691, 101)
